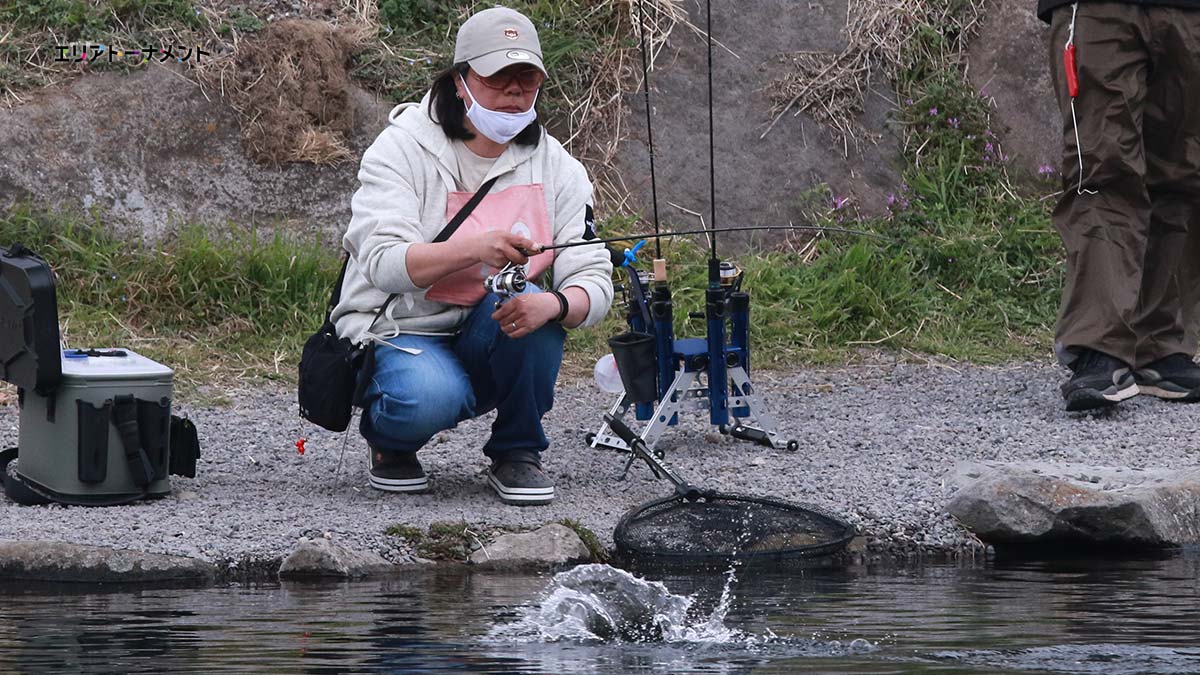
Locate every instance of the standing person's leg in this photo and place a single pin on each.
(1104, 212)
(517, 378)
(418, 388)
(1189, 282)
(1172, 141)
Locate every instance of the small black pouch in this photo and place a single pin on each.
(185, 447)
(328, 370)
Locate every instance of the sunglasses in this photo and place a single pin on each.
(527, 79)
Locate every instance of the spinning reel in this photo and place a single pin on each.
(506, 283)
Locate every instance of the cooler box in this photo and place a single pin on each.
(103, 437)
(95, 425)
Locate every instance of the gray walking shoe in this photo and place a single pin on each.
(397, 472)
(520, 480)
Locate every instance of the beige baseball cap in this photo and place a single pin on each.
(497, 38)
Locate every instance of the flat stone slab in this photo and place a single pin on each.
(321, 558)
(63, 562)
(547, 546)
(1039, 503)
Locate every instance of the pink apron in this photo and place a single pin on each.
(520, 209)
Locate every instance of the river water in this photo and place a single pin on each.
(1116, 618)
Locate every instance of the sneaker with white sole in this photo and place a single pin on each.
(1099, 381)
(519, 480)
(1175, 377)
(397, 472)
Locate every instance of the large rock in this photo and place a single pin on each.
(759, 181)
(1010, 64)
(1038, 503)
(548, 546)
(63, 562)
(181, 161)
(315, 558)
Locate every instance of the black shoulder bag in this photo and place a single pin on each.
(329, 365)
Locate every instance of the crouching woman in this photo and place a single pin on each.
(444, 351)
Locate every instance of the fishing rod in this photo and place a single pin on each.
(746, 228)
(511, 280)
(649, 124)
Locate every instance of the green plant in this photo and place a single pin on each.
(406, 532)
(76, 19)
(144, 13)
(245, 21)
(407, 16)
(444, 540)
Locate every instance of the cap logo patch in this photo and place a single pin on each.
(518, 55)
(511, 33)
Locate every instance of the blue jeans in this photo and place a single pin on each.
(411, 397)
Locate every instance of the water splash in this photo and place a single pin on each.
(604, 604)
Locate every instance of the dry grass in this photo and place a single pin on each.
(291, 88)
(881, 37)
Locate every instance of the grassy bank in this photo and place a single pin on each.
(213, 307)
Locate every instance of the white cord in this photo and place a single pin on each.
(1074, 123)
(1074, 11)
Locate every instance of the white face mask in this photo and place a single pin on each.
(500, 127)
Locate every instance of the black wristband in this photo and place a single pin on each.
(563, 306)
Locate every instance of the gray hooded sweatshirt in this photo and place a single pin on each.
(405, 178)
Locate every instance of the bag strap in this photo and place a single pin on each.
(124, 416)
(336, 296)
(445, 234)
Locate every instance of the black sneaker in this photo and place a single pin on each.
(519, 480)
(1175, 377)
(397, 472)
(1099, 381)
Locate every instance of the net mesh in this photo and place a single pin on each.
(729, 527)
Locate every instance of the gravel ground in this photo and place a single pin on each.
(875, 444)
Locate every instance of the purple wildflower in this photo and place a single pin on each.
(1045, 170)
(953, 121)
(839, 202)
(933, 112)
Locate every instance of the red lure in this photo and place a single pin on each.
(1070, 66)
